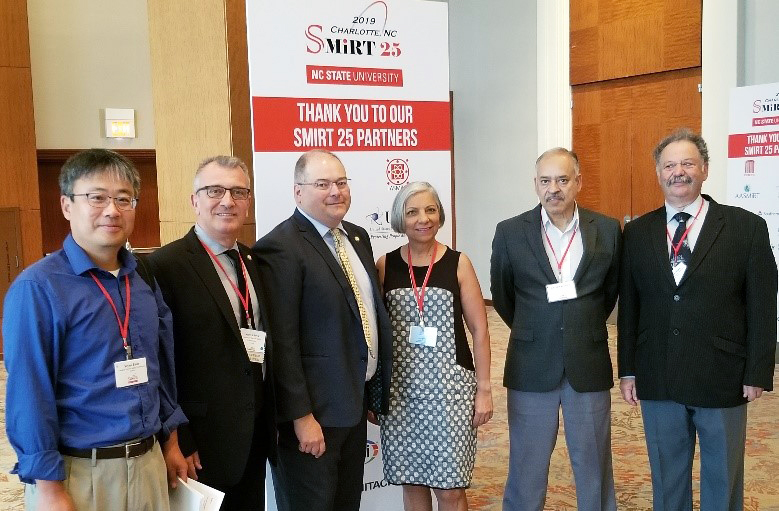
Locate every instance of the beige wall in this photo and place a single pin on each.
(87, 55)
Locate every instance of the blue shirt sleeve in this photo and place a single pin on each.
(171, 415)
(32, 331)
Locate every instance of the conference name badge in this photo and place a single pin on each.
(561, 291)
(254, 342)
(130, 372)
(423, 335)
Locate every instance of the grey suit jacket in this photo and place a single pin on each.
(551, 340)
(698, 342)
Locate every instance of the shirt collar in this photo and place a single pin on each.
(548, 222)
(215, 247)
(81, 263)
(321, 228)
(691, 208)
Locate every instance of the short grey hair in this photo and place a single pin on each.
(302, 163)
(228, 162)
(683, 134)
(97, 161)
(560, 151)
(398, 212)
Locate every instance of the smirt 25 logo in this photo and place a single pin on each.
(360, 35)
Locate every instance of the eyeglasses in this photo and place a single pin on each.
(101, 200)
(326, 184)
(217, 192)
(686, 165)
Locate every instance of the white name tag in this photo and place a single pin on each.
(561, 291)
(130, 372)
(423, 335)
(679, 270)
(254, 342)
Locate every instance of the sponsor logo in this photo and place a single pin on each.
(747, 193)
(378, 225)
(371, 451)
(398, 173)
(749, 168)
(374, 485)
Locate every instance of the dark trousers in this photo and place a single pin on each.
(332, 482)
(248, 494)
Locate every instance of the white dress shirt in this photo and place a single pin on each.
(559, 242)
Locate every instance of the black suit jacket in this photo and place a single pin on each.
(697, 343)
(320, 354)
(215, 380)
(567, 338)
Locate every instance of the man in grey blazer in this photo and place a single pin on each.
(554, 278)
(697, 329)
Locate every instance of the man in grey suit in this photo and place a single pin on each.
(697, 329)
(554, 282)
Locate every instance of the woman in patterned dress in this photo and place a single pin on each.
(437, 397)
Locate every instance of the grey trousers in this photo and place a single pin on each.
(533, 424)
(670, 430)
(134, 484)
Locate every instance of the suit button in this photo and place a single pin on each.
(247, 372)
(676, 331)
(677, 298)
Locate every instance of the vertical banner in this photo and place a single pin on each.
(753, 155)
(368, 80)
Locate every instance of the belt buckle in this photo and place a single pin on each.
(127, 448)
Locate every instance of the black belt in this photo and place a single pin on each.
(131, 450)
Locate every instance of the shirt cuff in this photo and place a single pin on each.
(629, 376)
(46, 465)
(176, 419)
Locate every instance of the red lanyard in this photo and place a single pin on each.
(123, 328)
(570, 242)
(419, 295)
(245, 300)
(676, 248)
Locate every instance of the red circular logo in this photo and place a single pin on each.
(397, 171)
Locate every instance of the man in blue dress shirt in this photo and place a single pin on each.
(89, 353)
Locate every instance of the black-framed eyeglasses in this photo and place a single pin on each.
(217, 192)
(326, 184)
(101, 200)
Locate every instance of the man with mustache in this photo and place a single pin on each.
(331, 334)
(554, 282)
(697, 329)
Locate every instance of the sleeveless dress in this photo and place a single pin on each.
(427, 436)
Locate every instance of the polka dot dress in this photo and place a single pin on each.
(427, 437)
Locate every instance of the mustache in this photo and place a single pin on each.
(678, 179)
(556, 195)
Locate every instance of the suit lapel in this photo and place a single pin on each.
(535, 240)
(312, 236)
(589, 234)
(204, 268)
(658, 235)
(712, 225)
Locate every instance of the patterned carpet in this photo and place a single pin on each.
(631, 468)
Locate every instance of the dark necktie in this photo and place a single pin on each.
(685, 254)
(236, 258)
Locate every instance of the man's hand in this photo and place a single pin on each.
(372, 418)
(52, 496)
(175, 463)
(483, 409)
(628, 388)
(310, 437)
(193, 464)
(752, 393)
